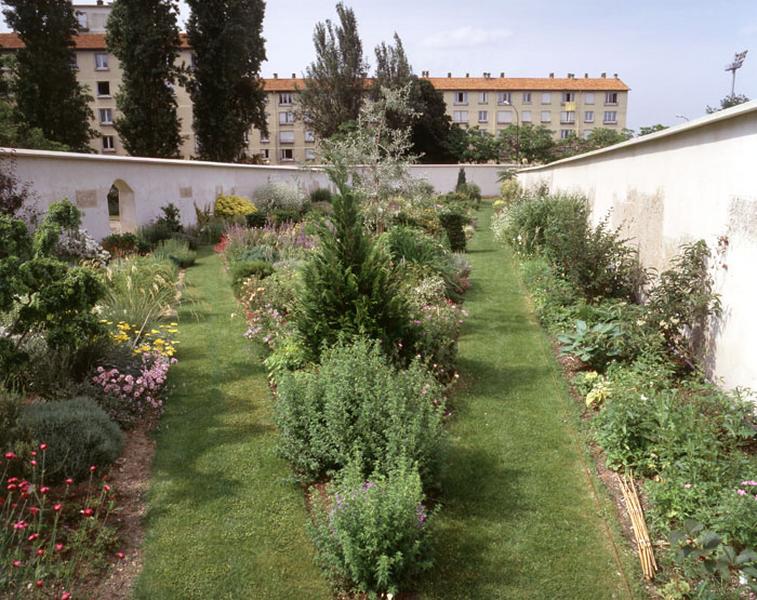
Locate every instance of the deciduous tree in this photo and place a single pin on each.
(46, 91)
(144, 36)
(335, 81)
(226, 88)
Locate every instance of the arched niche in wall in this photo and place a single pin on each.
(122, 210)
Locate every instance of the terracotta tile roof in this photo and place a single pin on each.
(83, 41)
(96, 41)
(491, 84)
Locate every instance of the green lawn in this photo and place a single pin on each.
(519, 516)
(223, 520)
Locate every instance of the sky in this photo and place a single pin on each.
(671, 53)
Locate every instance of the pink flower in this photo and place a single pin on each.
(87, 512)
(741, 492)
(69, 481)
(9, 456)
(43, 446)
(57, 507)
(58, 547)
(20, 525)
(17, 563)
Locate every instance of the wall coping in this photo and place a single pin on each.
(705, 121)
(106, 158)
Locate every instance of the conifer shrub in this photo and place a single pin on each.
(454, 221)
(357, 404)
(234, 206)
(350, 287)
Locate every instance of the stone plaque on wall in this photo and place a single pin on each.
(185, 192)
(86, 198)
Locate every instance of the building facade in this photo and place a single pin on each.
(568, 106)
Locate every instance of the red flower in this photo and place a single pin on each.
(57, 507)
(40, 552)
(11, 487)
(12, 479)
(33, 453)
(39, 583)
(44, 489)
(69, 481)
(33, 537)
(106, 488)
(16, 563)
(34, 510)
(87, 512)
(9, 456)
(43, 446)
(20, 525)
(92, 469)
(33, 463)
(58, 547)
(120, 555)
(65, 596)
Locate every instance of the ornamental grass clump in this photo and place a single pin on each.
(357, 403)
(372, 536)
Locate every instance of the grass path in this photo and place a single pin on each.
(222, 521)
(519, 517)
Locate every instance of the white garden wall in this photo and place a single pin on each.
(145, 185)
(694, 181)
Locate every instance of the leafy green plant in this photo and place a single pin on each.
(242, 270)
(233, 206)
(372, 536)
(124, 244)
(682, 302)
(79, 435)
(593, 345)
(454, 220)
(287, 198)
(357, 403)
(320, 195)
(736, 515)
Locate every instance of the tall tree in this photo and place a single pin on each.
(335, 81)
(227, 39)
(47, 92)
(144, 36)
(527, 142)
(393, 69)
(646, 130)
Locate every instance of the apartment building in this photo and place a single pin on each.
(566, 105)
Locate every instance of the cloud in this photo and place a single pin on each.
(465, 37)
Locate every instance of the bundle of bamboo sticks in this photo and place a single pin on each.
(641, 533)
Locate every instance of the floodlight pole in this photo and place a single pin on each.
(738, 62)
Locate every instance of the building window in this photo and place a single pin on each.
(611, 116)
(546, 98)
(483, 97)
(568, 97)
(264, 139)
(109, 143)
(546, 116)
(525, 116)
(566, 133)
(101, 62)
(611, 98)
(309, 136)
(265, 154)
(106, 116)
(286, 99)
(461, 98)
(483, 116)
(103, 89)
(589, 116)
(567, 116)
(286, 137)
(83, 21)
(286, 117)
(589, 98)
(309, 153)
(286, 154)
(504, 98)
(504, 116)
(526, 97)
(460, 116)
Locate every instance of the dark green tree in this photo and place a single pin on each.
(335, 81)
(432, 128)
(144, 36)
(393, 69)
(46, 91)
(527, 142)
(349, 287)
(473, 145)
(729, 101)
(227, 40)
